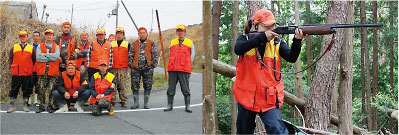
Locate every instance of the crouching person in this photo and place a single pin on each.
(102, 86)
(71, 88)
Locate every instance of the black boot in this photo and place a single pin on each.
(50, 109)
(40, 109)
(187, 101)
(136, 102)
(170, 104)
(146, 98)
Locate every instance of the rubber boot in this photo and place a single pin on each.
(170, 104)
(187, 101)
(35, 100)
(64, 108)
(146, 98)
(136, 102)
(12, 103)
(40, 109)
(25, 107)
(78, 106)
(96, 110)
(111, 110)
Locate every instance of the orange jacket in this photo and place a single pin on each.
(53, 66)
(102, 85)
(84, 59)
(71, 85)
(256, 88)
(180, 56)
(22, 64)
(71, 45)
(121, 55)
(147, 49)
(98, 53)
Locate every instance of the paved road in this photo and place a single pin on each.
(125, 121)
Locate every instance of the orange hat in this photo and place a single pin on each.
(120, 29)
(71, 63)
(181, 27)
(142, 28)
(66, 23)
(264, 16)
(100, 31)
(112, 35)
(103, 62)
(49, 31)
(23, 33)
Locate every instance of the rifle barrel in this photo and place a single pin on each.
(346, 25)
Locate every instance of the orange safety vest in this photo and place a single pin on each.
(22, 64)
(53, 69)
(84, 59)
(137, 53)
(98, 53)
(70, 47)
(121, 55)
(180, 56)
(72, 85)
(102, 85)
(259, 88)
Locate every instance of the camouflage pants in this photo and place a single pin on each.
(45, 87)
(121, 84)
(136, 75)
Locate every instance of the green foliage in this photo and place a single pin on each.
(224, 114)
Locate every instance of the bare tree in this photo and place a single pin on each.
(375, 66)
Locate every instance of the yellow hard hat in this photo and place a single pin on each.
(100, 31)
(49, 31)
(181, 27)
(120, 29)
(22, 33)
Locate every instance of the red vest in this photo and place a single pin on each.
(70, 47)
(71, 85)
(102, 85)
(22, 64)
(121, 55)
(180, 56)
(53, 66)
(258, 88)
(84, 59)
(98, 53)
(137, 53)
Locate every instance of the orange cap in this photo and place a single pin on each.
(103, 62)
(142, 28)
(66, 23)
(49, 31)
(23, 33)
(100, 31)
(120, 29)
(112, 35)
(71, 63)
(264, 16)
(181, 27)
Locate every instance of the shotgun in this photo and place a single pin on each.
(323, 29)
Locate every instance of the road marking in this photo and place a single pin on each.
(116, 111)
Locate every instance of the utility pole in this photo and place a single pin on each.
(117, 12)
(131, 18)
(72, 14)
(44, 8)
(47, 15)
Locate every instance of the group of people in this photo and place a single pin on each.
(66, 71)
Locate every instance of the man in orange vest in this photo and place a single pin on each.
(36, 41)
(143, 58)
(67, 43)
(102, 87)
(84, 44)
(120, 67)
(22, 59)
(71, 88)
(47, 69)
(181, 55)
(99, 50)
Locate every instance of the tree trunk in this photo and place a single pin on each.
(346, 77)
(253, 6)
(362, 74)
(234, 30)
(308, 46)
(298, 63)
(216, 13)
(334, 101)
(317, 110)
(272, 6)
(375, 66)
(391, 56)
(233, 102)
(364, 42)
(210, 125)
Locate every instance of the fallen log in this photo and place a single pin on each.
(230, 71)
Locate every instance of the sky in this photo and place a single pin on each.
(94, 13)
